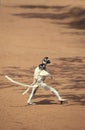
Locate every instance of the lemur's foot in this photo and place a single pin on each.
(31, 103)
(62, 100)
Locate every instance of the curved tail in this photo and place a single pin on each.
(18, 83)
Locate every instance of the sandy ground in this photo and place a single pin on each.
(30, 30)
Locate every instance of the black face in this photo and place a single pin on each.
(42, 66)
(46, 60)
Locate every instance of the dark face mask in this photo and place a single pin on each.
(46, 60)
(42, 66)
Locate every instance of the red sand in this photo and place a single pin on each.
(30, 30)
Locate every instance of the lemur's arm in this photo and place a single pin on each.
(45, 73)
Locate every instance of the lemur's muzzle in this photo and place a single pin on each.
(46, 60)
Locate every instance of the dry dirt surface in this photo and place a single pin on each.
(30, 30)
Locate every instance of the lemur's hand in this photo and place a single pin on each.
(51, 77)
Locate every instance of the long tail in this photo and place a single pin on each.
(18, 83)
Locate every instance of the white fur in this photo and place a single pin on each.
(39, 77)
(18, 83)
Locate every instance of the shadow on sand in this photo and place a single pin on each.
(75, 16)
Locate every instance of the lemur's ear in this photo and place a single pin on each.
(46, 57)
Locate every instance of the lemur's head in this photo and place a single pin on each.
(42, 66)
(46, 60)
